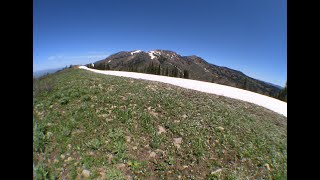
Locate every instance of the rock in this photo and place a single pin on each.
(69, 159)
(86, 173)
(128, 138)
(152, 154)
(153, 114)
(244, 160)
(184, 116)
(177, 142)
(134, 147)
(161, 130)
(159, 151)
(185, 166)
(179, 177)
(267, 166)
(62, 156)
(103, 175)
(49, 135)
(91, 153)
(120, 166)
(128, 177)
(220, 128)
(69, 146)
(216, 171)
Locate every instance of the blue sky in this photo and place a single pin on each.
(246, 35)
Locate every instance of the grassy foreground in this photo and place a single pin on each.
(93, 126)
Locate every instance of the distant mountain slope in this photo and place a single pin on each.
(165, 62)
(46, 71)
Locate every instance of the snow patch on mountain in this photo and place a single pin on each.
(213, 88)
(151, 54)
(134, 52)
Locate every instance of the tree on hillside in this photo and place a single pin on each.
(174, 72)
(107, 67)
(167, 72)
(150, 69)
(245, 84)
(186, 74)
(283, 94)
(159, 70)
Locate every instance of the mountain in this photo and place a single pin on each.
(46, 71)
(280, 87)
(165, 62)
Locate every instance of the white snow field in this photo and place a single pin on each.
(213, 88)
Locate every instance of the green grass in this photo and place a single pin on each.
(84, 120)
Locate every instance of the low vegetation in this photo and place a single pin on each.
(93, 126)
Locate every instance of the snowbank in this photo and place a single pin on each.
(248, 96)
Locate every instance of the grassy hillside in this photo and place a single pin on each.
(93, 126)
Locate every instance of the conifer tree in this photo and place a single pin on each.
(245, 84)
(186, 74)
(159, 70)
(107, 67)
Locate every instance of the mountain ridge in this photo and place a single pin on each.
(170, 63)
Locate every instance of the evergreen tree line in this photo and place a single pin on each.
(149, 69)
(101, 66)
(163, 71)
(282, 95)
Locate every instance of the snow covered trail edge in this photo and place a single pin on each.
(218, 89)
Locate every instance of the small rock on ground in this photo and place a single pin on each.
(216, 171)
(161, 130)
(62, 156)
(128, 138)
(177, 142)
(267, 166)
(152, 154)
(121, 165)
(86, 173)
(69, 159)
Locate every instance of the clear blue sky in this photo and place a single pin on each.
(246, 35)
